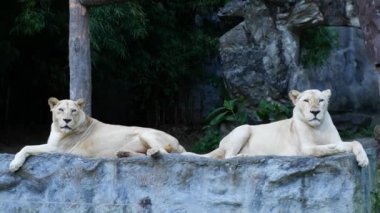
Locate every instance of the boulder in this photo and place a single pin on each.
(177, 183)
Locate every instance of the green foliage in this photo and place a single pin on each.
(31, 19)
(269, 111)
(113, 26)
(316, 45)
(208, 142)
(232, 112)
(156, 49)
(150, 50)
(38, 16)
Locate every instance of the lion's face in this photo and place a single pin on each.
(68, 115)
(310, 105)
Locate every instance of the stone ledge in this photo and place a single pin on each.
(176, 183)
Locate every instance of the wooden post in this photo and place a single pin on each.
(79, 54)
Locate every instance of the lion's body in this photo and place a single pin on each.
(105, 140)
(74, 132)
(309, 132)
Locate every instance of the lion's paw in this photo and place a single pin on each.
(15, 165)
(154, 153)
(362, 159)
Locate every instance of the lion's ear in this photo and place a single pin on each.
(52, 101)
(81, 103)
(327, 93)
(293, 95)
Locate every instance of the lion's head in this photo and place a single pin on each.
(310, 106)
(68, 115)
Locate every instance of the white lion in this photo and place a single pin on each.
(309, 132)
(72, 131)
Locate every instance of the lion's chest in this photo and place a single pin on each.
(318, 138)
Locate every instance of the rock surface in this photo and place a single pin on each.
(376, 133)
(175, 183)
(347, 72)
(369, 16)
(260, 55)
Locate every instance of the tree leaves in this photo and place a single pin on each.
(155, 47)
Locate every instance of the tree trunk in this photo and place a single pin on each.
(79, 54)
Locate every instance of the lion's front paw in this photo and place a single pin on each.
(154, 153)
(15, 165)
(362, 159)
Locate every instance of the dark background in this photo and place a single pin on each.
(146, 58)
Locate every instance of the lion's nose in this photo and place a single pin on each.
(67, 120)
(315, 112)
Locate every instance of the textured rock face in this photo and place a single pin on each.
(376, 133)
(175, 183)
(369, 15)
(348, 72)
(260, 55)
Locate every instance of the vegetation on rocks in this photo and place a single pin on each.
(316, 45)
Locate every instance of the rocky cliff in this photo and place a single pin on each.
(175, 183)
(260, 55)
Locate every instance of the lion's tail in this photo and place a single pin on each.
(218, 153)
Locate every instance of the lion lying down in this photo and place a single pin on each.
(309, 132)
(72, 131)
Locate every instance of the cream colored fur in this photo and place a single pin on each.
(309, 132)
(72, 131)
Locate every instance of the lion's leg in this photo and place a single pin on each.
(323, 150)
(155, 146)
(25, 152)
(358, 150)
(236, 140)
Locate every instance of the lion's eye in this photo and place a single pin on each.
(306, 100)
(60, 109)
(321, 100)
(73, 110)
